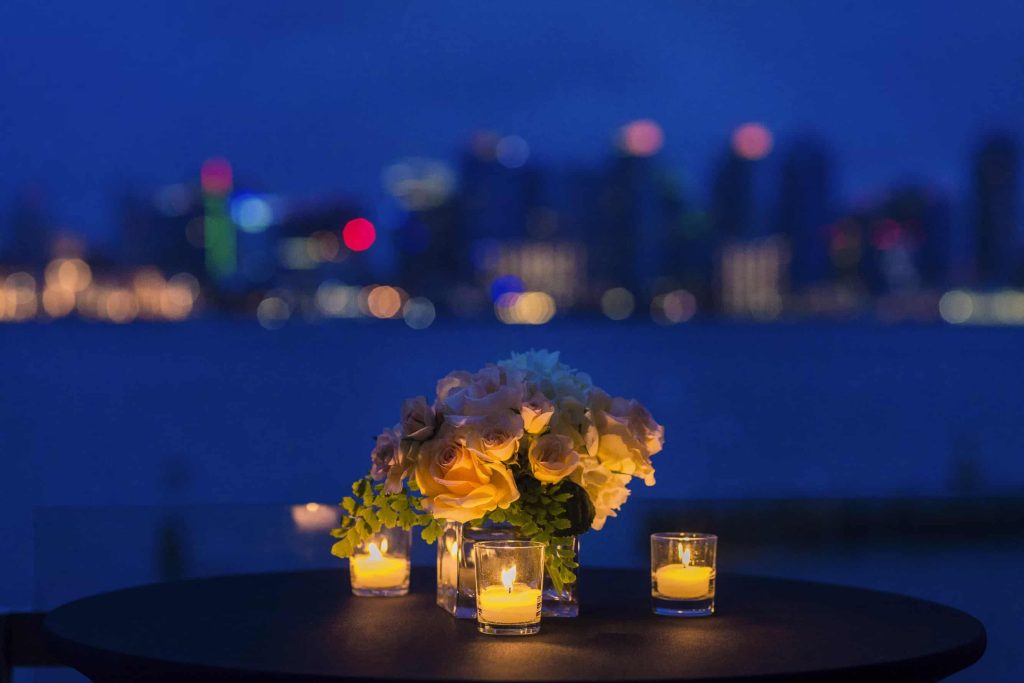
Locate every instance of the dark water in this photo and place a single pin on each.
(218, 412)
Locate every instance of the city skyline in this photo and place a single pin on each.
(501, 230)
(323, 98)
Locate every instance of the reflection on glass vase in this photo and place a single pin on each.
(456, 575)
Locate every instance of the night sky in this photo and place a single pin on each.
(318, 96)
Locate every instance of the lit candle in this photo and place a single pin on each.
(510, 603)
(450, 563)
(682, 581)
(314, 517)
(374, 569)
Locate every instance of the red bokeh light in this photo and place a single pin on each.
(752, 141)
(642, 138)
(359, 234)
(215, 176)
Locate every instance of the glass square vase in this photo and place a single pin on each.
(456, 575)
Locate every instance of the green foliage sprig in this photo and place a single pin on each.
(369, 508)
(550, 513)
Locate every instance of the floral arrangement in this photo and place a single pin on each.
(529, 442)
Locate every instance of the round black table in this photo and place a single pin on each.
(306, 626)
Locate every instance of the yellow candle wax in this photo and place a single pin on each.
(682, 581)
(519, 604)
(376, 570)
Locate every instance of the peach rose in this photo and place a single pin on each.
(492, 437)
(459, 485)
(537, 411)
(417, 419)
(552, 458)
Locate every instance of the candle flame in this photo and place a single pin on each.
(508, 577)
(375, 551)
(384, 545)
(453, 548)
(684, 556)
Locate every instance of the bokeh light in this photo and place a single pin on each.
(528, 308)
(512, 151)
(419, 313)
(335, 300)
(72, 274)
(273, 312)
(618, 303)
(314, 517)
(120, 305)
(673, 307)
(215, 176)
(384, 301)
(752, 141)
(642, 138)
(252, 213)
(359, 234)
(956, 306)
(58, 302)
(419, 183)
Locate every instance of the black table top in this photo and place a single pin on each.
(307, 626)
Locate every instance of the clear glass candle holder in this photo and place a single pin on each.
(380, 565)
(683, 574)
(509, 583)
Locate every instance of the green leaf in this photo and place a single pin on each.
(431, 531)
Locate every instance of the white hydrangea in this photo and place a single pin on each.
(542, 369)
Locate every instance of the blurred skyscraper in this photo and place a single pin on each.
(996, 187)
(631, 248)
(498, 190)
(28, 239)
(805, 208)
(732, 198)
(163, 230)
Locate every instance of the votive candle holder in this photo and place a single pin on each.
(380, 565)
(509, 586)
(683, 574)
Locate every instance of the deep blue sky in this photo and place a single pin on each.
(317, 96)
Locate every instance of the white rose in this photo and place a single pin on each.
(537, 411)
(490, 390)
(417, 419)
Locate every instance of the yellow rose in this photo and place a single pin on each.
(552, 458)
(622, 439)
(459, 485)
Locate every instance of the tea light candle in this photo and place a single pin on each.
(374, 569)
(683, 581)
(510, 603)
(683, 573)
